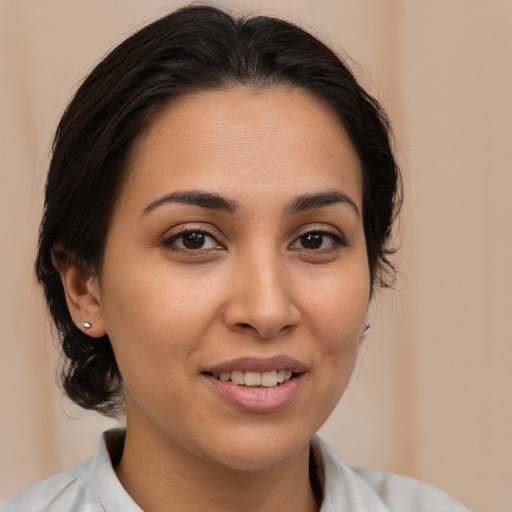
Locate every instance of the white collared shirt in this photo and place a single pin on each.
(92, 486)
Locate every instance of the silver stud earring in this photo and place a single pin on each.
(86, 325)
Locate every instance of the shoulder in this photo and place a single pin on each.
(91, 486)
(70, 490)
(372, 490)
(402, 494)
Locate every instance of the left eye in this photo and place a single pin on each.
(317, 240)
(193, 241)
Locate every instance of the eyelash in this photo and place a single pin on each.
(171, 242)
(336, 240)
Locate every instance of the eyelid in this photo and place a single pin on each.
(177, 232)
(326, 229)
(338, 239)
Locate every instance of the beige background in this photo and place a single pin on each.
(432, 397)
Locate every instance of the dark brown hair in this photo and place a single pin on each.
(193, 49)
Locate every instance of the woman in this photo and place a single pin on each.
(218, 214)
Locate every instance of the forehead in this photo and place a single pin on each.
(238, 138)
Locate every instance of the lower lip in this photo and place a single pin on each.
(258, 399)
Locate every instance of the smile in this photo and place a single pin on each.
(256, 379)
(257, 385)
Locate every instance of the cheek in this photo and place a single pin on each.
(153, 318)
(337, 321)
(339, 311)
(337, 324)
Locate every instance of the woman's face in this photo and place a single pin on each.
(236, 256)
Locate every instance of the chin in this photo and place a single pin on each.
(251, 451)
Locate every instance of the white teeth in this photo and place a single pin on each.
(237, 377)
(265, 379)
(252, 379)
(269, 379)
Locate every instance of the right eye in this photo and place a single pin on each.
(192, 240)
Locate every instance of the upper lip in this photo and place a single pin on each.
(256, 364)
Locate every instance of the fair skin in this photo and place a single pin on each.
(236, 245)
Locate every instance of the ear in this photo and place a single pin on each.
(367, 322)
(82, 292)
(365, 331)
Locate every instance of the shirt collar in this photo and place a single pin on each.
(342, 489)
(112, 494)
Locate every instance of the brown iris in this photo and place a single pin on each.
(193, 240)
(311, 240)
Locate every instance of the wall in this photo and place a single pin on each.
(432, 395)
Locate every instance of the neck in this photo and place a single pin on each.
(158, 475)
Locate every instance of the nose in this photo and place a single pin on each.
(262, 302)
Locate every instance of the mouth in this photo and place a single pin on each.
(253, 379)
(257, 385)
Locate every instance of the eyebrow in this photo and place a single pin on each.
(308, 202)
(213, 201)
(195, 198)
